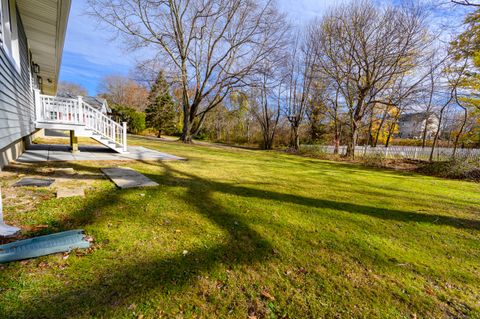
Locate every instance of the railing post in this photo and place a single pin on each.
(124, 132)
(38, 104)
(80, 109)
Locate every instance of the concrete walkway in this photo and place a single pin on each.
(55, 152)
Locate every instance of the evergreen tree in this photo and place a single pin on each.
(161, 111)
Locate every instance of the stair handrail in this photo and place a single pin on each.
(77, 111)
(103, 125)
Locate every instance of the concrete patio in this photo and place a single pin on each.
(54, 152)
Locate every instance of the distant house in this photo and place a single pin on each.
(412, 125)
(32, 34)
(97, 103)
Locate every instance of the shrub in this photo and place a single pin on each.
(314, 150)
(135, 120)
(457, 168)
(376, 159)
(136, 123)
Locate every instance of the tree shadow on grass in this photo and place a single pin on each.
(243, 246)
(377, 212)
(114, 287)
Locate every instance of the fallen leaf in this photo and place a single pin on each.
(267, 295)
(89, 239)
(42, 265)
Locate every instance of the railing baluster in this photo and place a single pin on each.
(58, 109)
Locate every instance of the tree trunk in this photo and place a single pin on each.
(186, 134)
(187, 109)
(159, 134)
(387, 142)
(336, 140)
(295, 142)
(457, 138)
(424, 136)
(377, 135)
(352, 141)
(437, 133)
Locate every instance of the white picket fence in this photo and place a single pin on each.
(401, 152)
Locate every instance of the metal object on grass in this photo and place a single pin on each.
(43, 245)
(6, 230)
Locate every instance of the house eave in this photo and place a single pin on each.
(45, 24)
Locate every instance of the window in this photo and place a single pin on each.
(9, 31)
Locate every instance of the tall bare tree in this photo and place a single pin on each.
(211, 45)
(364, 49)
(121, 90)
(269, 87)
(71, 89)
(299, 83)
(453, 74)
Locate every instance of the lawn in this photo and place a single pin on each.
(234, 233)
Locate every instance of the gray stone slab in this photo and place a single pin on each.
(60, 158)
(143, 153)
(70, 192)
(125, 177)
(51, 152)
(38, 182)
(34, 156)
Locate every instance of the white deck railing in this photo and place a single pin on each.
(59, 110)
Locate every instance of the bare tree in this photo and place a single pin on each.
(299, 83)
(453, 75)
(266, 95)
(118, 89)
(466, 3)
(211, 45)
(365, 49)
(463, 122)
(71, 89)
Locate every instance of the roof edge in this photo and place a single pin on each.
(63, 10)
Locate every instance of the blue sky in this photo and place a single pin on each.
(90, 53)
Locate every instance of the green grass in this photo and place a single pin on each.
(235, 233)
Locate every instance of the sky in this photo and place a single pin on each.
(90, 53)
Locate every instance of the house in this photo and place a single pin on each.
(98, 103)
(32, 34)
(412, 125)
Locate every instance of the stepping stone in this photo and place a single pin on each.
(70, 192)
(38, 182)
(125, 177)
